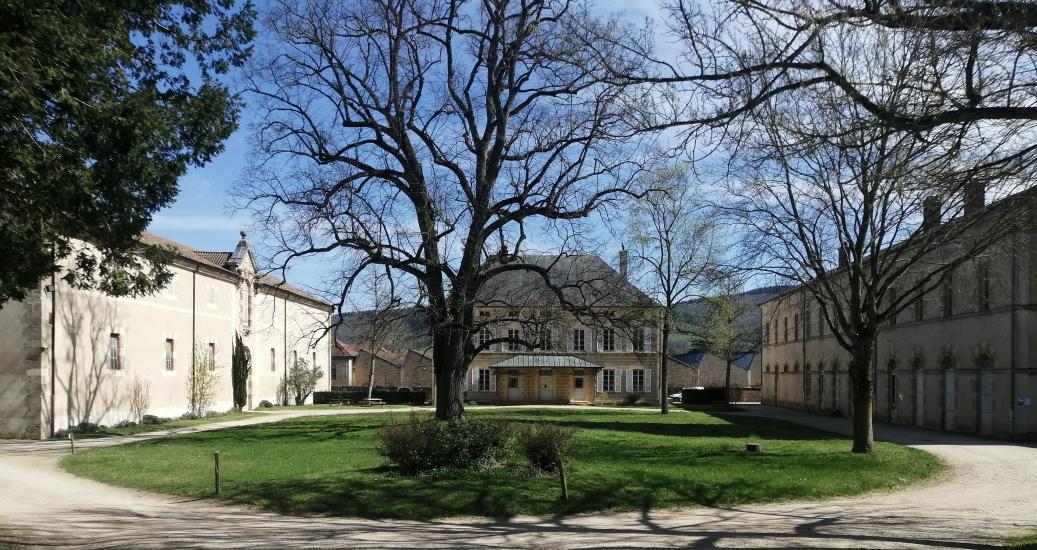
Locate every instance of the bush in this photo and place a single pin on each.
(190, 416)
(423, 444)
(264, 404)
(150, 419)
(632, 399)
(391, 396)
(86, 428)
(126, 424)
(546, 444)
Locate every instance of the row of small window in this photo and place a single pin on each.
(117, 361)
(984, 292)
(607, 338)
(612, 380)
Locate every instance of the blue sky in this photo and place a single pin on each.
(202, 216)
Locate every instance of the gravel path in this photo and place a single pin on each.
(990, 491)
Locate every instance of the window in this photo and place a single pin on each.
(806, 381)
(807, 326)
(513, 336)
(892, 391)
(210, 357)
(786, 338)
(608, 380)
(639, 339)
(314, 360)
(484, 336)
(579, 339)
(893, 293)
(919, 307)
(547, 340)
(948, 295)
(983, 280)
(295, 357)
(212, 295)
(608, 339)
(114, 352)
(484, 379)
(273, 360)
(767, 332)
(638, 380)
(334, 373)
(169, 354)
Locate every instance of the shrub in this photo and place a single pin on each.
(632, 399)
(265, 404)
(190, 416)
(86, 428)
(126, 424)
(424, 443)
(150, 419)
(546, 444)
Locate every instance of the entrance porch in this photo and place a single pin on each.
(544, 379)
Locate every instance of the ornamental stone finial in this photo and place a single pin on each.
(244, 233)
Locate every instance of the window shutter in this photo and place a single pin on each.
(648, 380)
(468, 379)
(628, 380)
(493, 381)
(503, 334)
(599, 380)
(649, 337)
(628, 342)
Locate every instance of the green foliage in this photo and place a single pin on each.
(239, 373)
(302, 380)
(424, 443)
(546, 444)
(628, 460)
(98, 120)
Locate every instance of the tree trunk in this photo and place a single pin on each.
(370, 378)
(450, 370)
(862, 384)
(727, 383)
(664, 407)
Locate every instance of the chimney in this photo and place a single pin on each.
(624, 262)
(931, 212)
(974, 196)
(844, 258)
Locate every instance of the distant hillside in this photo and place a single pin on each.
(694, 308)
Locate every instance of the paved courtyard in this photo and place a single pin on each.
(990, 490)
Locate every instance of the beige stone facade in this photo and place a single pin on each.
(84, 367)
(963, 358)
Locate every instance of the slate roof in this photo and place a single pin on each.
(544, 361)
(222, 261)
(584, 280)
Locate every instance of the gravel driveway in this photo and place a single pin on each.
(990, 491)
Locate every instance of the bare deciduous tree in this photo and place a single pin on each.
(674, 247)
(140, 398)
(202, 381)
(724, 327)
(432, 136)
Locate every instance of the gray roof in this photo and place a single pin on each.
(544, 362)
(583, 280)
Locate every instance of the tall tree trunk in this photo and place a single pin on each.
(862, 383)
(727, 382)
(370, 378)
(664, 407)
(450, 370)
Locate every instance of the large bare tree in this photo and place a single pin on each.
(675, 249)
(433, 137)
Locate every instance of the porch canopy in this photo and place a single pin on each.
(544, 362)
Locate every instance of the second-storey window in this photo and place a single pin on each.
(513, 336)
(114, 352)
(608, 339)
(795, 327)
(639, 340)
(579, 339)
(273, 360)
(484, 336)
(169, 354)
(547, 340)
(210, 358)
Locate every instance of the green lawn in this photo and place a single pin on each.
(279, 408)
(171, 425)
(1025, 542)
(628, 460)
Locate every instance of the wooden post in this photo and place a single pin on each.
(561, 477)
(72, 440)
(216, 457)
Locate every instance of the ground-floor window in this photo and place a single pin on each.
(513, 382)
(892, 392)
(608, 380)
(169, 354)
(637, 378)
(334, 373)
(484, 379)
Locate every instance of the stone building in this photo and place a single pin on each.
(69, 356)
(599, 349)
(961, 358)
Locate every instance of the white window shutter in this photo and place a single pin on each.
(648, 380)
(503, 334)
(628, 342)
(493, 381)
(599, 381)
(468, 379)
(628, 380)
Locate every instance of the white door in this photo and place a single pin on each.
(578, 392)
(986, 403)
(513, 387)
(546, 385)
(919, 398)
(949, 400)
